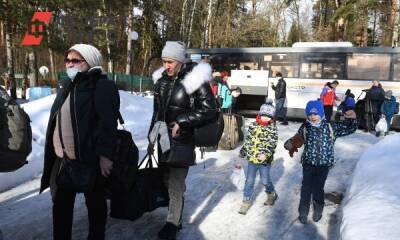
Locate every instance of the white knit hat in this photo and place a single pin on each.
(91, 54)
(174, 50)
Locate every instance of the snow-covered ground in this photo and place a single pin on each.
(372, 204)
(212, 199)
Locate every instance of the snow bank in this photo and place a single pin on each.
(136, 111)
(372, 204)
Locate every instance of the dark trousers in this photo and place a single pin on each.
(314, 178)
(281, 110)
(328, 110)
(63, 207)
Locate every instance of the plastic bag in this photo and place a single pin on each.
(238, 176)
(381, 126)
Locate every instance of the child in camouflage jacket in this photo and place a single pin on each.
(259, 148)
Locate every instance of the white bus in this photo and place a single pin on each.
(306, 70)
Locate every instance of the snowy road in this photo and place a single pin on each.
(212, 202)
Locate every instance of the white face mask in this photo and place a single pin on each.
(71, 72)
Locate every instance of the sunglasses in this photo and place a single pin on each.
(73, 61)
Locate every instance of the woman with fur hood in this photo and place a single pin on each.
(183, 100)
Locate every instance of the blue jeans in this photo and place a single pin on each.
(251, 177)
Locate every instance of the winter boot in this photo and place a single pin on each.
(169, 231)
(303, 213)
(303, 219)
(317, 213)
(244, 207)
(271, 198)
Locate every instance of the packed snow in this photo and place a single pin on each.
(213, 195)
(372, 204)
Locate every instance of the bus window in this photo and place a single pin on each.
(311, 70)
(396, 67)
(235, 61)
(322, 65)
(286, 63)
(368, 66)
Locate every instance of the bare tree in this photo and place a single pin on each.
(10, 61)
(191, 23)
(395, 10)
(183, 20)
(208, 25)
(129, 48)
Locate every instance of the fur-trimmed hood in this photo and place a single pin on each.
(200, 74)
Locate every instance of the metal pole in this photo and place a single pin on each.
(131, 63)
(140, 84)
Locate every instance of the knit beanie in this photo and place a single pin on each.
(174, 50)
(315, 107)
(267, 109)
(91, 54)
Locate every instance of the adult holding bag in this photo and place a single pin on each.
(183, 101)
(80, 141)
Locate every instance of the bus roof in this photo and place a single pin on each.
(322, 44)
(365, 50)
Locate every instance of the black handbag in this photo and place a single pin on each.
(181, 154)
(74, 174)
(147, 194)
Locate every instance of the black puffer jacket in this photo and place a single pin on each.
(94, 112)
(280, 89)
(172, 101)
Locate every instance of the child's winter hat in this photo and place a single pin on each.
(315, 107)
(267, 109)
(388, 94)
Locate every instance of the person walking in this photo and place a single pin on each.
(183, 100)
(389, 108)
(259, 149)
(328, 97)
(280, 98)
(318, 137)
(80, 141)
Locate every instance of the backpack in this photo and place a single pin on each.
(15, 134)
(209, 134)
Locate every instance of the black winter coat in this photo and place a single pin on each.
(94, 113)
(376, 95)
(280, 89)
(172, 103)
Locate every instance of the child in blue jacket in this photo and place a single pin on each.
(318, 137)
(388, 108)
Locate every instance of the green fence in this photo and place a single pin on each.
(124, 81)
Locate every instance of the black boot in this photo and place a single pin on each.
(168, 232)
(317, 213)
